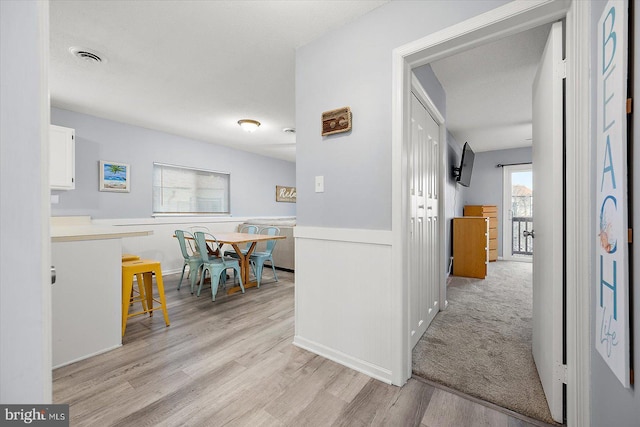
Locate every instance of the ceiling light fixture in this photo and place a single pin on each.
(248, 124)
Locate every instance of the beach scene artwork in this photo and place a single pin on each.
(114, 176)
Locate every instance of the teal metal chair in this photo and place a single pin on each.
(216, 266)
(191, 258)
(250, 229)
(258, 259)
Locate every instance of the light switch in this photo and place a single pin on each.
(319, 184)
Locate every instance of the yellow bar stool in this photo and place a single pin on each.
(145, 268)
(132, 257)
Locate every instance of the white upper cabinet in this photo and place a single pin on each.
(62, 155)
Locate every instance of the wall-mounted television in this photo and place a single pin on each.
(462, 174)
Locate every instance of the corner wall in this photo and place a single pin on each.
(25, 325)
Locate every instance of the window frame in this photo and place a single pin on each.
(226, 213)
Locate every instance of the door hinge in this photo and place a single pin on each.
(561, 373)
(630, 235)
(629, 105)
(563, 69)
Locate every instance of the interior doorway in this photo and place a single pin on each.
(517, 224)
(503, 326)
(500, 22)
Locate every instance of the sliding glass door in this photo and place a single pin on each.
(518, 212)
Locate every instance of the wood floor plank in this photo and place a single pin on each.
(410, 406)
(448, 410)
(323, 410)
(370, 405)
(348, 385)
(232, 363)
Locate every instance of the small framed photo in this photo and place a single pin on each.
(115, 177)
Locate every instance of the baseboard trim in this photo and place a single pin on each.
(366, 368)
(87, 356)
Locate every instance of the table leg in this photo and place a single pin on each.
(245, 270)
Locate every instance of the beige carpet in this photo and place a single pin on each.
(481, 344)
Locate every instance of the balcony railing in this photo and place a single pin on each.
(522, 245)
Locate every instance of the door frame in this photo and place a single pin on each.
(507, 232)
(506, 20)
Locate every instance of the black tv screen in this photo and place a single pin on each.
(466, 165)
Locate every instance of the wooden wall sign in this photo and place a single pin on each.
(336, 121)
(285, 194)
(611, 329)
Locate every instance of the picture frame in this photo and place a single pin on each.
(115, 177)
(285, 194)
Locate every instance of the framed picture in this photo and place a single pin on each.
(115, 177)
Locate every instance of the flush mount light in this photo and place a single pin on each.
(248, 124)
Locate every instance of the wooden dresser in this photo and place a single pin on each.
(491, 212)
(470, 243)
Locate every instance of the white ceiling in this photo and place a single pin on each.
(489, 91)
(191, 68)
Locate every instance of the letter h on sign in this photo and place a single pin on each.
(613, 287)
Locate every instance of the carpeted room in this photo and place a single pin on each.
(481, 344)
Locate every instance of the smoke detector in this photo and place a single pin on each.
(86, 54)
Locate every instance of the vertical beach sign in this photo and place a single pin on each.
(612, 254)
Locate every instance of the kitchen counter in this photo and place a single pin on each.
(87, 295)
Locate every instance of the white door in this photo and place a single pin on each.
(423, 177)
(548, 181)
(517, 212)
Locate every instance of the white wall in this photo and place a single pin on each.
(253, 177)
(455, 194)
(25, 334)
(357, 165)
(356, 202)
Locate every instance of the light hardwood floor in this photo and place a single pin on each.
(231, 362)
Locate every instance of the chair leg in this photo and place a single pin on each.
(236, 272)
(163, 301)
(273, 267)
(141, 291)
(127, 286)
(182, 275)
(259, 266)
(215, 280)
(147, 279)
(204, 270)
(194, 277)
(253, 267)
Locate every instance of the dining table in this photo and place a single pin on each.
(236, 240)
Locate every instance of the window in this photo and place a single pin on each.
(182, 190)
